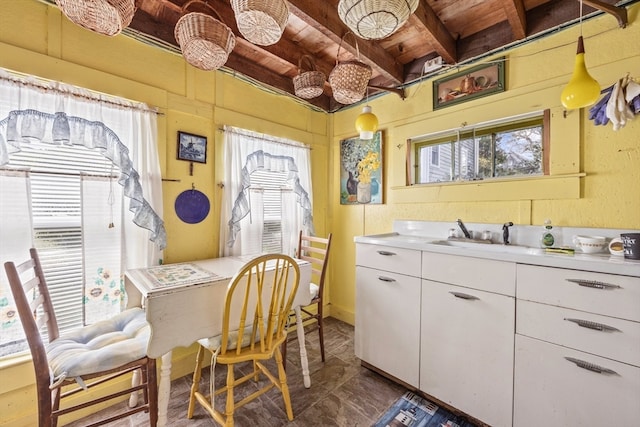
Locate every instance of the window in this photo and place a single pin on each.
(69, 187)
(269, 197)
(56, 188)
(509, 147)
(272, 184)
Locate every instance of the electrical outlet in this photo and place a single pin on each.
(433, 64)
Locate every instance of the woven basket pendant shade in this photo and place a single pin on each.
(107, 17)
(349, 79)
(261, 21)
(205, 42)
(375, 19)
(308, 84)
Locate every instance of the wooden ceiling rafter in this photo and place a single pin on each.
(459, 32)
(517, 17)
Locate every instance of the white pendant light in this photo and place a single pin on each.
(375, 19)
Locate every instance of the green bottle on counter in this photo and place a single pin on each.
(547, 239)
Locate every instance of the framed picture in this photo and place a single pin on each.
(192, 147)
(470, 84)
(361, 170)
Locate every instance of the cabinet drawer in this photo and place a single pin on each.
(606, 294)
(477, 273)
(549, 390)
(388, 258)
(604, 336)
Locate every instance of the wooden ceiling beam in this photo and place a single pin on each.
(270, 78)
(323, 16)
(517, 17)
(435, 32)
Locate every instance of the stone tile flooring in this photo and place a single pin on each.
(342, 392)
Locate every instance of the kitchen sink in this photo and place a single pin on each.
(481, 246)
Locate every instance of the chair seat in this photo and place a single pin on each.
(314, 290)
(214, 343)
(102, 346)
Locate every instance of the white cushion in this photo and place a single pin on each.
(214, 343)
(99, 347)
(314, 290)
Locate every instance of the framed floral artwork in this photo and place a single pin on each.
(361, 170)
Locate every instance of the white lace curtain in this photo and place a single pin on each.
(241, 214)
(46, 114)
(125, 132)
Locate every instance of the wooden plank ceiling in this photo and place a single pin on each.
(456, 30)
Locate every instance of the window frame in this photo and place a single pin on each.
(455, 136)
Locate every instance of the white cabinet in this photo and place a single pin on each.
(387, 330)
(467, 336)
(577, 355)
(521, 341)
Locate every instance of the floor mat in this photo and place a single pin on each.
(412, 410)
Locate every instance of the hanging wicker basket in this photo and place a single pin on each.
(205, 42)
(349, 79)
(308, 84)
(375, 19)
(107, 17)
(261, 21)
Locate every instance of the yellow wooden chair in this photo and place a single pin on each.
(99, 352)
(316, 251)
(257, 304)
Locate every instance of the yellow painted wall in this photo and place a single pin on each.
(36, 39)
(594, 171)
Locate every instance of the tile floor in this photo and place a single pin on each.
(342, 392)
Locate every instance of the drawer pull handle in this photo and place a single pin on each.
(463, 295)
(386, 253)
(386, 279)
(591, 366)
(592, 325)
(593, 284)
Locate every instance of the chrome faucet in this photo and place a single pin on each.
(505, 232)
(463, 228)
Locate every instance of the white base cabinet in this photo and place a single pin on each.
(553, 391)
(508, 342)
(466, 357)
(387, 330)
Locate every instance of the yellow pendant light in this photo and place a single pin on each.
(582, 90)
(366, 123)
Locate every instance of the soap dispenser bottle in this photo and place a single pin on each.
(547, 239)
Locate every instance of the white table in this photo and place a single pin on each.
(184, 302)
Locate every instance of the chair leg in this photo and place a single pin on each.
(197, 373)
(321, 330)
(135, 381)
(152, 392)
(48, 419)
(230, 406)
(284, 388)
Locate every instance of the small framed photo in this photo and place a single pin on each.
(476, 82)
(192, 148)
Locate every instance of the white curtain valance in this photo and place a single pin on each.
(46, 129)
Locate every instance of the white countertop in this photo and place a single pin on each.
(601, 262)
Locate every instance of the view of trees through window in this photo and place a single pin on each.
(510, 148)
